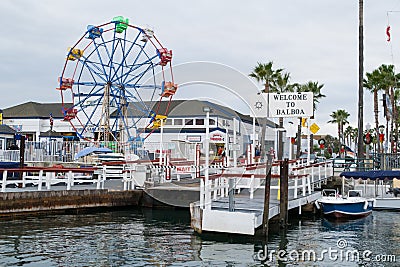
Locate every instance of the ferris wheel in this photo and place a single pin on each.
(113, 81)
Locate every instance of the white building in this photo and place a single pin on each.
(186, 122)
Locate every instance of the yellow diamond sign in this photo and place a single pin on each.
(314, 128)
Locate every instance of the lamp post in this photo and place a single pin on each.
(367, 139)
(381, 138)
(207, 199)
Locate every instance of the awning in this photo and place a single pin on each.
(88, 150)
(373, 175)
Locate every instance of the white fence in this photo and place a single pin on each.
(302, 181)
(64, 151)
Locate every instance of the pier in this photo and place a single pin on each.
(242, 212)
(59, 189)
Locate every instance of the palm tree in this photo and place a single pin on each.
(354, 137)
(389, 83)
(384, 79)
(315, 88)
(340, 117)
(374, 84)
(348, 135)
(396, 117)
(264, 73)
(281, 85)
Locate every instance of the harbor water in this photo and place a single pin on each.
(144, 237)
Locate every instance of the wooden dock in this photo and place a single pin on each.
(216, 212)
(247, 215)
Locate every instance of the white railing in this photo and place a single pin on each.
(302, 179)
(35, 178)
(64, 151)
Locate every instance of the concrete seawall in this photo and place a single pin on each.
(23, 203)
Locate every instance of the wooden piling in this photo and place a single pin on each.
(21, 158)
(284, 193)
(266, 199)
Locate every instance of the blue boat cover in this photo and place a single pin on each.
(9, 164)
(372, 175)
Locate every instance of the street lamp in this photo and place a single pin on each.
(381, 135)
(207, 199)
(367, 139)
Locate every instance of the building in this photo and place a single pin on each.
(33, 119)
(7, 137)
(186, 122)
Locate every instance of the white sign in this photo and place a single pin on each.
(291, 105)
(217, 137)
(183, 169)
(234, 147)
(194, 138)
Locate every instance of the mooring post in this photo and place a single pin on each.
(266, 199)
(231, 194)
(21, 158)
(284, 190)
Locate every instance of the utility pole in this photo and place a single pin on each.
(360, 147)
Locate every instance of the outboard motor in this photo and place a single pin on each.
(394, 191)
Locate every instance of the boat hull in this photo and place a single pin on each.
(387, 204)
(346, 209)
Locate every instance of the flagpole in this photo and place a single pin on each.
(360, 147)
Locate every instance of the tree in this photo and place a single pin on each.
(374, 84)
(348, 135)
(383, 79)
(340, 117)
(315, 88)
(389, 83)
(264, 73)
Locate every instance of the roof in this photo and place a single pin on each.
(177, 108)
(5, 129)
(192, 108)
(50, 133)
(33, 110)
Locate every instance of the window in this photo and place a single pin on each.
(177, 121)
(168, 122)
(188, 121)
(199, 121)
(212, 122)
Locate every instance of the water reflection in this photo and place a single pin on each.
(163, 237)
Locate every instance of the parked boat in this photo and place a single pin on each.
(348, 207)
(385, 188)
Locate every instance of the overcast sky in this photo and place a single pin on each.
(310, 39)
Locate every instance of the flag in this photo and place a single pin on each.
(388, 33)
